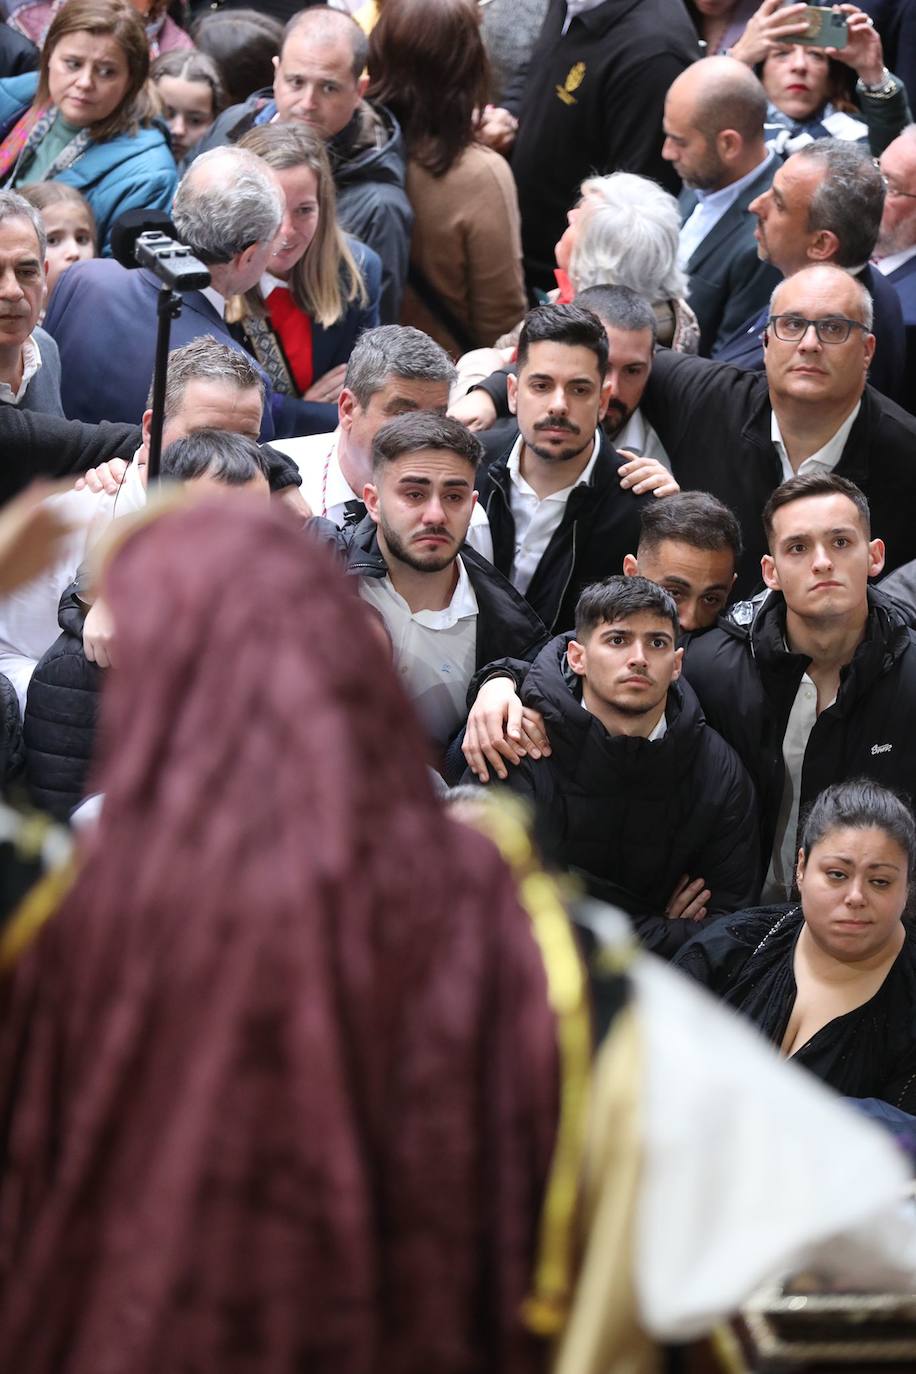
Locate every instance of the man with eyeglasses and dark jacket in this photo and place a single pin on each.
(740, 434)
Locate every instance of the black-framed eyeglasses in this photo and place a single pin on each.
(832, 329)
(893, 190)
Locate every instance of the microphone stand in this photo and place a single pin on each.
(178, 270)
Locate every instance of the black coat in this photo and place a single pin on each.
(747, 680)
(35, 445)
(60, 716)
(714, 421)
(593, 103)
(887, 373)
(633, 816)
(600, 526)
(504, 618)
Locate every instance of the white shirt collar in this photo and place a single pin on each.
(462, 604)
(826, 457)
(895, 260)
(577, 7)
(216, 300)
(515, 472)
(633, 435)
(31, 362)
(337, 489)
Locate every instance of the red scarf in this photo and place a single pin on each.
(294, 330)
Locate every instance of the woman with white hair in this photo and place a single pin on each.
(623, 231)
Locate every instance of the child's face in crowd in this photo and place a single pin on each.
(188, 111)
(70, 238)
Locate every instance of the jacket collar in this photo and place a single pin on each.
(506, 624)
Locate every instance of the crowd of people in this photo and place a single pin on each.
(527, 585)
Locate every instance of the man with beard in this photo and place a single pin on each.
(558, 515)
(447, 611)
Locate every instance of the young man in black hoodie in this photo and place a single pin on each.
(639, 796)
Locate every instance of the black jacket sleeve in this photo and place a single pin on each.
(282, 472)
(36, 445)
(497, 388)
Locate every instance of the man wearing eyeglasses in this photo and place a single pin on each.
(739, 434)
(896, 247)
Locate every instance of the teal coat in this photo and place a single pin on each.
(128, 172)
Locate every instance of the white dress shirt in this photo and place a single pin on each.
(31, 362)
(536, 520)
(435, 652)
(709, 209)
(638, 436)
(894, 260)
(824, 460)
(28, 614)
(327, 491)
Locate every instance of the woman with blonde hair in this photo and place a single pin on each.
(321, 287)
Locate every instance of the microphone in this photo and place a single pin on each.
(148, 238)
(128, 227)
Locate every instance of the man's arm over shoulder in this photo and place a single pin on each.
(36, 445)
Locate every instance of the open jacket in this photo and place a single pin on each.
(127, 172)
(504, 618)
(746, 680)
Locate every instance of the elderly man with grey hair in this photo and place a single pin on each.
(228, 209)
(29, 361)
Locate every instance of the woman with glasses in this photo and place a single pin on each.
(826, 92)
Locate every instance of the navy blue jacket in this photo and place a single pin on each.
(904, 283)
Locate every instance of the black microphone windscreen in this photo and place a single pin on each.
(128, 227)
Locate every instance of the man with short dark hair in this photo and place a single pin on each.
(558, 517)
(319, 81)
(638, 797)
(714, 118)
(690, 545)
(447, 610)
(824, 206)
(739, 434)
(815, 681)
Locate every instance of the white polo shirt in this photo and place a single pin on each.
(537, 520)
(435, 652)
(327, 491)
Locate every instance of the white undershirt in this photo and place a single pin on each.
(31, 362)
(435, 652)
(824, 460)
(536, 519)
(802, 718)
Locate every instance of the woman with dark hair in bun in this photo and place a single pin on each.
(832, 981)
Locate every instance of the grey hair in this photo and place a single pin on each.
(849, 200)
(231, 458)
(222, 216)
(13, 206)
(395, 350)
(628, 236)
(205, 359)
(866, 305)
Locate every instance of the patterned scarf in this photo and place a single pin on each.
(27, 135)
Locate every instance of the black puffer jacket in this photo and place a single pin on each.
(60, 716)
(633, 816)
(746, 681)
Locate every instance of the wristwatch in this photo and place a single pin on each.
(885, 88)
